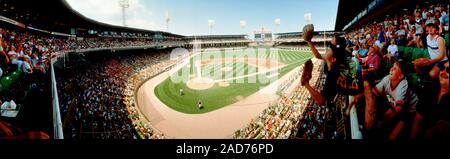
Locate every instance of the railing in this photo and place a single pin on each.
(57, 124)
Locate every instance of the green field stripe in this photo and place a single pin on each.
(239, 69)
(227, 74)
(282, 57)
(218, 97)
(287, 57)
(292, 57)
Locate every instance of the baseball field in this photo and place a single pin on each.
(218, 78)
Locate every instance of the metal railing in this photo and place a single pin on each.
(57, 124)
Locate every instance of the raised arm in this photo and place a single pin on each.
(316, 96)
(370, 105)
(314, 50)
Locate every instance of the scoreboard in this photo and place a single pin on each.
(263, 35)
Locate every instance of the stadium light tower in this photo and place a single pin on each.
(243, 24)
(211, 24)
(167, 21)
(277, 24)
(124, 4)
(308, 18)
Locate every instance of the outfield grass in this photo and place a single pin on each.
(217, 97)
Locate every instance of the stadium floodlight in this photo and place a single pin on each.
(277, 24)
(124, 4)
(211, 24)
(167, 20)
(243, 24)
(308, 18)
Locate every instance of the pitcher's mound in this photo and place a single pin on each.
(200, 83)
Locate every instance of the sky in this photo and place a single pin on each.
(190, 17)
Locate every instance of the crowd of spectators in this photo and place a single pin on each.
(94, 108)
(24, 61)
(281, 120)
(399, 99)
(99, 101)
(24, 52)
(317, 122)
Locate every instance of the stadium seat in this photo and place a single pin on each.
(407, 54)
(447, 39)
(15, 75)
(425, 53)
(413, 81)
(386, 67)
(401, 49)
(417, 53)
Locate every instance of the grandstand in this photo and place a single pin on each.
(294, 40)
(217, 41)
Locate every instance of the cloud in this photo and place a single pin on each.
(109, 11)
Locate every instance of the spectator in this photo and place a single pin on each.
(371, 64)
(397, 113)
(433, 115)
(363, 53)
(443, 28)
(5, 57)
(26, 65)
(392, 52)
(430, 18)
(381, 35)
(355, 53)
(401, 33)
(436, 50)
(335, 59)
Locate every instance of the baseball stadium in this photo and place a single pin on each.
(66, 75)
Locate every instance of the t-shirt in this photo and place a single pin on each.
(418, 26)
(392, 49)
(433, 47)
(26, 67)
(388, 34)
(398, 95)
(363, 52)
(424, 15)
(378, 43)
(400, 32)
(17, 62)
(373, 61)
(329, 89)
(354, 52)
(12, 53)
(429, 21)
